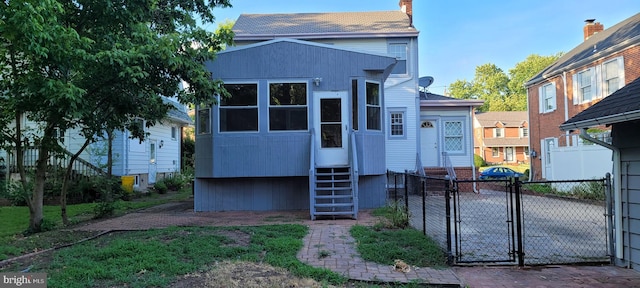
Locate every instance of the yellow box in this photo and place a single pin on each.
(127, 183)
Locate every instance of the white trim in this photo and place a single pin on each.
(278, 81)
(380, 106)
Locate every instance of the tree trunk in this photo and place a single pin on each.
(37, 196)
(65, 183)
(110, 153)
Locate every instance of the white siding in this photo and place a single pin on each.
(401, 153)
(456, 114)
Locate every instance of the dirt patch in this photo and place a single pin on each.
(240, 238)
(244, 274)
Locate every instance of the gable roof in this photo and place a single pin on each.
(323, 25)
(428, 99)
(621, 106)
(619, 37)
(507, 118)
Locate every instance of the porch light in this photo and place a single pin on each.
(316, 81)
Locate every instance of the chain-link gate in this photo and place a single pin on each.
(509, 221)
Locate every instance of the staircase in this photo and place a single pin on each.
(333, 194)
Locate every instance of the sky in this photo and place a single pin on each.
(456, 36)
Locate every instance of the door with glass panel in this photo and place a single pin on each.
(331, 128)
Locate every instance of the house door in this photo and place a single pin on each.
(153, 165)
(547, 145)
(430, 155)
(332, 128)
(509, 154)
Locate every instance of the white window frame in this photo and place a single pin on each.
(460, 136)
(495, 152)
(524, 132)
(547, 95)
(257, 107)
(174, 133)
(619, 75)
(200, 122)
(395, 50)
(379, 106)
(402, 124)
(498, 132)
(306, 106)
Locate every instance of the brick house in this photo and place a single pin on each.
(604, 62)
(501, 136)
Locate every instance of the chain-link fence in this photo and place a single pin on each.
(502, 221)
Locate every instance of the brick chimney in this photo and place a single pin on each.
(591, 27)
(407, 7)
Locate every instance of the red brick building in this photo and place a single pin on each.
(501, 137)
(606, 61)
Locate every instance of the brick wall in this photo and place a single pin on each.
(547, 125)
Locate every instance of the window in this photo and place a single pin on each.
(399, 51)
(524, 132)
(240, 111)
(137, 129)
(373, 106)
(354, 104)
(585, 87)
(288, 106)
(498, 132)
(59, 134)
(453, 136)
(204, 120)
(174, 133)
(613, 75)
(495, 152)
(396, 124)
(526, 151)
(548, 98)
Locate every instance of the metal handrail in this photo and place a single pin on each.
(354, 172)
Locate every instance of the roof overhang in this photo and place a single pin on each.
(308, 36)
(605, 120)
(451, 103)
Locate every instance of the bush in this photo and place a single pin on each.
(160, 187)
(174, 183)
(478, 161)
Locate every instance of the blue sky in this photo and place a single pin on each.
(456, 36)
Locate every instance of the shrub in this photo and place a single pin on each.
(160, 187)
(478, 161)
(174, 183)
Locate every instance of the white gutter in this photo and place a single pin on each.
(617, 180)
(606, 120)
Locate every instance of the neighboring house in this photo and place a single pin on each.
(322, 105)
(602, 64)
(502, 137)
(620, 111)
(446, 134)
(158, 156)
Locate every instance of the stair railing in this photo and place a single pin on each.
(312, 175)
(447, 164)
(353, 156)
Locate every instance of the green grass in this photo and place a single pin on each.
(154, 258)
(410, 245)
(15, 219)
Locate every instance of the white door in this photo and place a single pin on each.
(429, 140)
(153, 165)
(508, 154)
(547, 145)
(332, 128)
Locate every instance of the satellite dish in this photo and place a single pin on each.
(425, 81)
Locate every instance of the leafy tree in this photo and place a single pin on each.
(502, 92)
(96, 65)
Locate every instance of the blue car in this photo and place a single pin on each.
(499, 173)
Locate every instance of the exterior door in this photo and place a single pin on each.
(547, 145)
(332, 128)
(509, 154)
(153, 165)
(430, 155)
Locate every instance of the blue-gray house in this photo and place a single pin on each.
(304, 129)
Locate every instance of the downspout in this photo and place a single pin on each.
(531, 172)
(617, 180)
(473, 164)
(566, 106)
(628, 258)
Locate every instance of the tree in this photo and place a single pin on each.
(98, 65)
(502, 92)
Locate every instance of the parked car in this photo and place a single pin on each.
(499, 173)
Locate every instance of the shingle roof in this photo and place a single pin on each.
(428, 99)
(607, 42)
(327, 25)
(178, 113)
(507, 118)
(621, 106)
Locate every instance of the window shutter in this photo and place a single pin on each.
(596, 81)
(621, 83)
(540, 100)
(575, 93)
